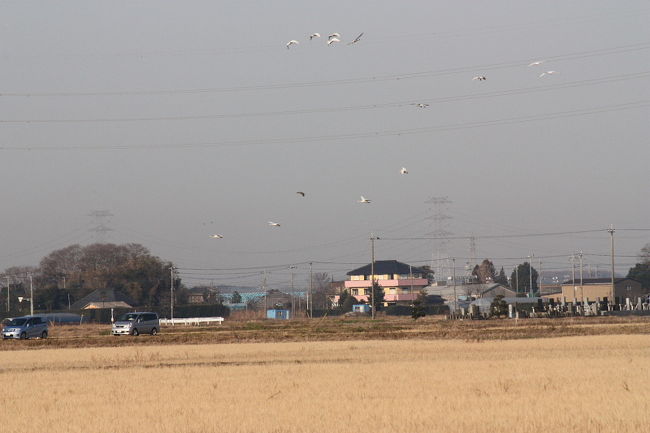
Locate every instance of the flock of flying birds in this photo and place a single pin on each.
(336, 38)
(362, 200)
(332, 39)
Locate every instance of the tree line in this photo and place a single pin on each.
(68, 274)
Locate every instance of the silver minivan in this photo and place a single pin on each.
(25, 327)
(136, 324)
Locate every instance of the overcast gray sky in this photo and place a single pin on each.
(185, 119)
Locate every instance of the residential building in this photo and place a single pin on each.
(399, 281)
(593, 288)
(196, 296)
(103, 299)
(468, 292)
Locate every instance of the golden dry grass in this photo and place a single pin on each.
(571, 384)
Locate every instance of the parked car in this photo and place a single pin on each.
(25, 327)
(136, 324)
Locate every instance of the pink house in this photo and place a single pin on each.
(400, 282)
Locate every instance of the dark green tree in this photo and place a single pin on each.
(346, 306)
(379, 296)
(419, 306)
(498, 307)
(523, 285)
(427, 273)
(342, 297)
(501, 278)
(641, 271)
(235, 298)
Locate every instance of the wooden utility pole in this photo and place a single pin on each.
(453, 261)
(613, 289)
(372, 276)
(310, 300)
(31, 295)
(171, 294)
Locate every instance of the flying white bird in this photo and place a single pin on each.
(300, 193)
(333, 40)
(292, 42)
(547, 73)
(364, 200)
(216, 236)
(480, 78)
(357, 39)
(421, 105)
(404, 171)
(272, 224)
(314, 35)
(333, 35)
(536, 63)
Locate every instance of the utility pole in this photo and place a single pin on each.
(310, 300)
(453, 265)
(530, 275)
(171, 294)
(539, 274)
(293, 293)
(582, 289)
(572, 259)
(372, 275)
(8, 298)
(611, 234)
(31, 295)
(516, 288)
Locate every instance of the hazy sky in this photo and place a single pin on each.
(185, 119)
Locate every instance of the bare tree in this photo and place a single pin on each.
(322, 290)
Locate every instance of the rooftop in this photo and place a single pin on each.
(607, 280)
(383, 267)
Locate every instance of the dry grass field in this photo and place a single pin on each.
(338, 328)
(567, 384)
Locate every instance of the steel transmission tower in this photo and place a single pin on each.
(440, 217)
(101, 219)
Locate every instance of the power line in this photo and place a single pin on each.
(358, 135)
(524, 235)
(438, 100)
(373, 79)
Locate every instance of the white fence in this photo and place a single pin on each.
(192, 321)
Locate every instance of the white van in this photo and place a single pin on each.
(136, 324)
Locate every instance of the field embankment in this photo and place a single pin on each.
(337, 329)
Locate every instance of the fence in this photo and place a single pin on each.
(192, 321)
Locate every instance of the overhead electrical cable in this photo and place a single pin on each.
(358, 135)
(372, 79)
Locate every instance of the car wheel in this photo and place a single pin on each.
(154, 331)
(44, 335)
(135, 332)
(23, 335)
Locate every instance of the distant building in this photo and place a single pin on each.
(103, 298)
(399, 281)
(468, 292)
(196, 296)
(361, 308)
(280, 314)
(594, 288)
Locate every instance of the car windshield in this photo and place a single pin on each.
(17, 322)
(128, 317)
